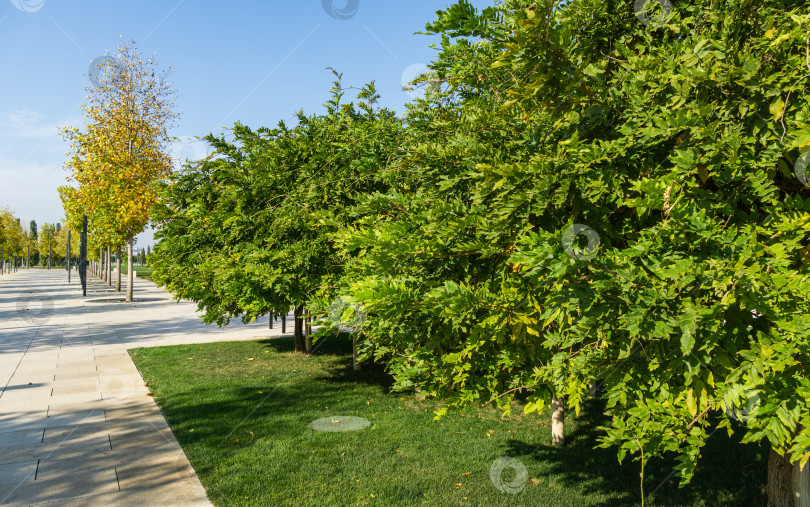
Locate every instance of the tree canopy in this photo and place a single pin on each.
(586, 192)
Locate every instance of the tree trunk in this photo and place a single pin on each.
(109, 267)
(780, 492)
(118, 269)
(308, 333)
(130, 270)
(788, 484)
(355, 363)
(557, 422)
(298, 333)
(800, 479)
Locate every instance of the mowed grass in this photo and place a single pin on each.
(240, 410)
(143, 272)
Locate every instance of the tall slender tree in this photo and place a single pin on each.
(122, 151)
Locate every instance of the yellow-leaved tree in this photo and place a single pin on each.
(12, 239)
(47, 243)
(122, 152)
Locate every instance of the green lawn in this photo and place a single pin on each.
(142, 271)
(240, 410)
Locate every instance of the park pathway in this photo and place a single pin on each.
(77, 426)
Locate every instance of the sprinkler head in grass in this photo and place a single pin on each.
(348, 10)
(34, 308)
(649, 14)
(749, 407)
(347, 317)
(569, 242)
(340, 423)
(28, 5)
(516, 484)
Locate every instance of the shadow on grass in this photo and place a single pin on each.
(242, 418)
(340, 348)
(729, 473)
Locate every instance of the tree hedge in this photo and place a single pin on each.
(589, 192)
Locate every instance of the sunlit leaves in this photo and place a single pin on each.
(121, 152)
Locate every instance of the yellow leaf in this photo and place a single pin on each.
(551, 319)
(690, 403)
(776, 108)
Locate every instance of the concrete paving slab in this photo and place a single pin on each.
(13, 420)
(54, 450)
(60, 433)
(99, 418)
(171, 494)
(139, 475)
(70, 365)
(67, 418)
(74, 375)
(21, 437)
(61, 489)
(105, 460)
(24, 405)
(76, 389)
(17, 473)
(27, 394)
(85, 381)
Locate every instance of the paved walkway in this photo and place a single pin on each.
(76, 424)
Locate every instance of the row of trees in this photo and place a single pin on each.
(587, 193)
(251, 232)
(44, 246)
(118, 156)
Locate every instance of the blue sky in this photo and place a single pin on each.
(253, 61)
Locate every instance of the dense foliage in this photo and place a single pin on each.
(248, 232)
(120, 154)
(584, 193)
(13, 238)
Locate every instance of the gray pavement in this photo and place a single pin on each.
(77, 426)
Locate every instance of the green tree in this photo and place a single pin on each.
(122, 152)
(48, 244)
(671, 143)
(12, 239)
(250, 231)
(33, 240)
